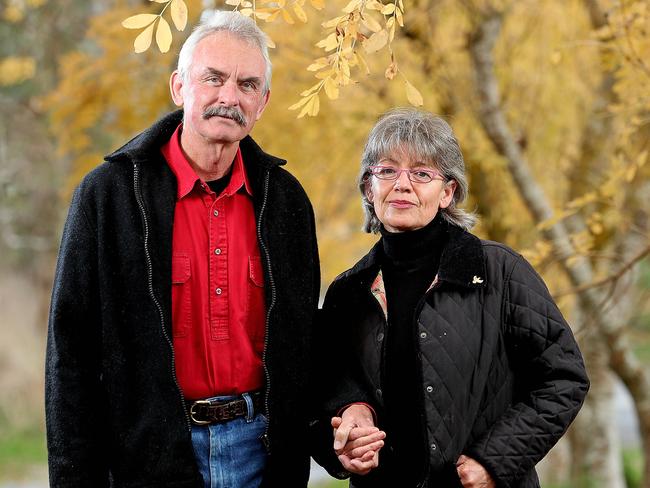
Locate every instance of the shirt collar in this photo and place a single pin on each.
(187, 178)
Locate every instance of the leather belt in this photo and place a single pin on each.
(205, 412)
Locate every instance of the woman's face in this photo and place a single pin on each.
(401, 204)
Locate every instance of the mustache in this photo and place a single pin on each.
(226, 112)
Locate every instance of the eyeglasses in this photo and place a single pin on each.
(419, 175)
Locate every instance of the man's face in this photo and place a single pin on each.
(223, 95)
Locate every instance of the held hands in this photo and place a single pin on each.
(472, 474)
(356, 439)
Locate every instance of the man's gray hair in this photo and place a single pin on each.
(225, 21)
(424, 137)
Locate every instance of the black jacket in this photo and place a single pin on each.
(115, 413)
(501, 374)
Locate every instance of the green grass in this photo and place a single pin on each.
(332, 483)
(20, 452)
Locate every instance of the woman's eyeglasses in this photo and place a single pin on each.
(419, 175)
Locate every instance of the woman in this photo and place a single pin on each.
(452, 345)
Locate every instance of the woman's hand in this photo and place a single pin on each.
(472, 474)
(356, 439)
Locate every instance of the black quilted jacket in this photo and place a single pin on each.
(114, 410)
(502, 376)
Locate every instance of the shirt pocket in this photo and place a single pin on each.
(181, 294)
(256, 304)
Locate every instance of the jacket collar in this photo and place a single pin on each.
(148, 143)
(462, 262)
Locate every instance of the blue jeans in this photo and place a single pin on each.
(231, 454)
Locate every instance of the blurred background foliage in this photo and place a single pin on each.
(550, 101)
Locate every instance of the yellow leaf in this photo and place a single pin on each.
(160, 1)
(308, 106)
(318, 4)
(262, 15)
(163, 35)
(642, 158)
(388, 9)
(311, 90)
(315, 106)
(331, 89)
(234, 3)
(320, 63)
(413, 95)
(362, 63)
(376, 41)
(138, 21)
(246, 12)
(143, 41)
(374, 5)
(353, 5)
(287, 17)
(391, 32)
(400, 18)
(269, 42)
(179, 14)
(299, 104)
(329, 43)
(300, 12)
(371, 23)
(246, 4)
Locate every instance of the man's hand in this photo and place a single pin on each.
(472, 474)
(356, 439)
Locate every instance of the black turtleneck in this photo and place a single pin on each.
(409, 266)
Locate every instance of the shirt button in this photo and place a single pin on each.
(217, 251)
(433, 447)
(423, 335)
(379, 392)
(380, 337)
(218, 291)
(216, 213)
(429, 388)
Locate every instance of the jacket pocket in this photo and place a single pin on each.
(255, 304)
(181, 294)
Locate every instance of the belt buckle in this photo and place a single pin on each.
(193, 412)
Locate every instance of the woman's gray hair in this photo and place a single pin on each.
(424, 137)
(233, 22)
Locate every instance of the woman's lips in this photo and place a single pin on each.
(401, 204)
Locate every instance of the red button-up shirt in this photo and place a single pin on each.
(218, 304)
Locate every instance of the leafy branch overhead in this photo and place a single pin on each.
(363, 27)
(149, 22)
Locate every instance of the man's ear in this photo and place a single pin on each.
(175, 87)
(265, 101)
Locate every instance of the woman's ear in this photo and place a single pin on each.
(368, 191)
(447, 194)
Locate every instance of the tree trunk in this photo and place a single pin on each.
(611, 329)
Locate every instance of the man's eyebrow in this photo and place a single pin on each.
(213, 71)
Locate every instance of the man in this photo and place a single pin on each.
(187, 282)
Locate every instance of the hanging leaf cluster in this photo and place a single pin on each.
(363, 27)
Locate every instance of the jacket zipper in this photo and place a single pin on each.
(267, 375)
(145, 222)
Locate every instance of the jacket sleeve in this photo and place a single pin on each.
(337, 383)
(550, 380)
(73, 401)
